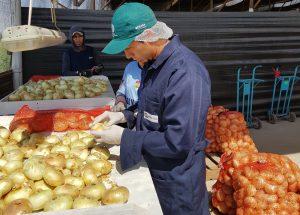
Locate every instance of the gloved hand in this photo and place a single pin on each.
(112, 118)
(112, 135)
(120, 106)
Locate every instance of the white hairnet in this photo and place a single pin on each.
(158, 31)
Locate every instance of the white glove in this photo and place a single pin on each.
(112, 135)
(118, 107)
(113, 118)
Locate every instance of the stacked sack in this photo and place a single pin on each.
(227, 131)
(212, 115)
(259, 183)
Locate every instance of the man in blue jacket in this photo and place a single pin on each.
(170, 118)
(79, 57)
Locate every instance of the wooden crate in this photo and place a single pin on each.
(212, 166)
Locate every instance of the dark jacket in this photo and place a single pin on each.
(174, 97)
(75, 60)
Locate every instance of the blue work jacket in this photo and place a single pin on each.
(170, 120)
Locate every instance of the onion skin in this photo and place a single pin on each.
(116, 195)
(4, 132)
(18, 207)
(101, 152)
(56, 160)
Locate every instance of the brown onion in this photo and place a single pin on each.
(21, 193)
(93, 191)
(56, 160)
(5, 186)
(53, 177)
(101, 152)
(75, 181)
(34, 168)
(18, 207)
(101, 167)
(116, 195)
(39, 199)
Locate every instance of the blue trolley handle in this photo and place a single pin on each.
(292, 86)
(252, 86)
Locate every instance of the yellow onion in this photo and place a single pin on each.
(19, 134)
(56, 160)
(72, 135)
(66, 140)
(84, 202)
(4, 132)
(15, 154)
(28, 150)
(101, 151)
(1, 152)
(75, 181)
(18, 207)
(3, 141)
(12, 166)
(99, 126)
(5, 186)
(34, 168)
(66, 189)
(62, 202)
(40, 199)
(73, 163)
(53, 177)
(18, 178)
(52, 139)
(116, 195)
(21, 193)
(41, 185)
(78, 143)
(101, 167)
(93, 191)
(89, 176)
(80, 152)
(88, 141)
(8, 148)
(36, 139)
(2, 163)
(41, 152)
(61, 149)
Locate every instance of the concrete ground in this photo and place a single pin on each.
(281, 138)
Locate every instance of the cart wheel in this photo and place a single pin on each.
(273, 118)
(292, 117)
(256, 123)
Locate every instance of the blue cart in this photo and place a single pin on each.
(282, 93)
(245, 91)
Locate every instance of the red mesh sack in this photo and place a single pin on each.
(55, 120)
(232, 133)
(37, 78)
(262, 188)
(213, 113)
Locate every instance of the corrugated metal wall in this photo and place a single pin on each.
(223, 41)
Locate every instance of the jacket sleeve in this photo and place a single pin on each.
(186, 102)
(66, 65)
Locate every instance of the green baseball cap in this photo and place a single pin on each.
(128, 21)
